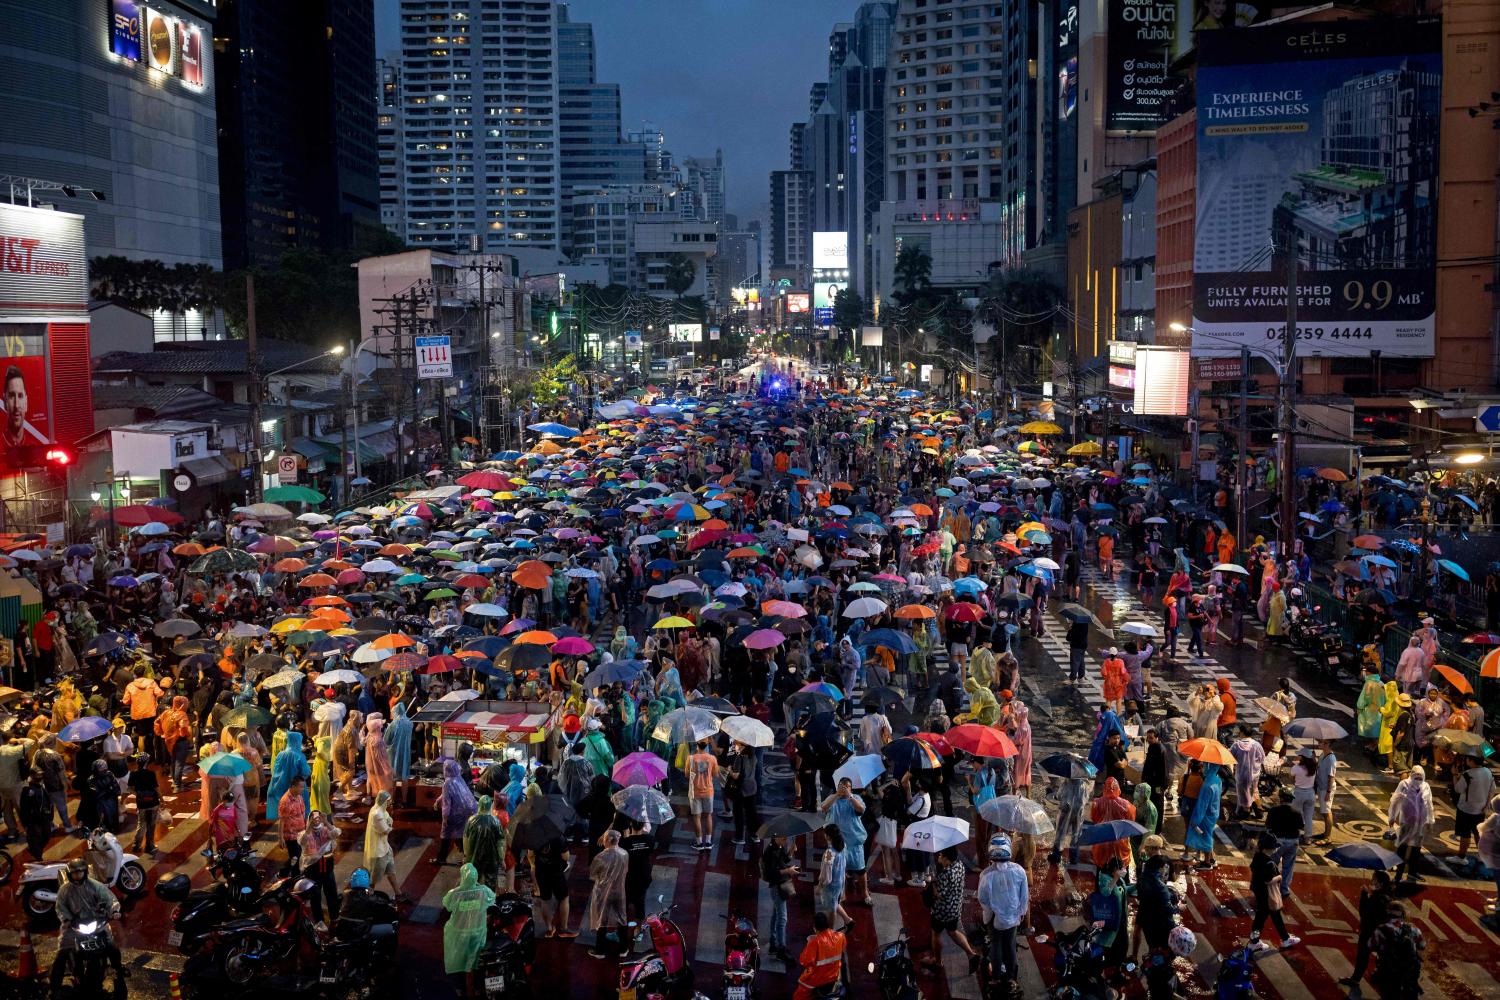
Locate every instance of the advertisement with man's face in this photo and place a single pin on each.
(25, 398)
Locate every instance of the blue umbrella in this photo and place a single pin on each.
(79, 551)
(1371, 857)
(82, 730)
(123, 581)
(1455, 569)
(1467, 500)
(1108, 832)
(969, 585)
(550, 428)
(609, 673)
(897, 642)
(1381, 561)
(1315, 729)
(224, 765)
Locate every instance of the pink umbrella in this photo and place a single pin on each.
(764, 638)
(786, 609)
(572, 646)
(351, 577)
(483, 505)
(639, 768)
(566, 534)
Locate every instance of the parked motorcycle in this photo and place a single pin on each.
(741, 957)
(234, 893)
(510, 949)
(895, 972)
(1082, 973)
(662, 971)
(287, 951)
(109, 864)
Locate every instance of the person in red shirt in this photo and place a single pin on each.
(41, 640)
(1227, 717)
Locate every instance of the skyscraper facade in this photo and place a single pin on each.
(480, 123)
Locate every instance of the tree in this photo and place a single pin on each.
(1021, 304)
(913, 275)
(551, 384)
(680, 274)
(848, 310)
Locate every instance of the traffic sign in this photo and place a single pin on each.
(632, 340)
(434, 357)
(1488, 419)
(286, 468)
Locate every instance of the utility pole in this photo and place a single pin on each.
(1242, 473)
(347, 387)
(1287, 417)
(252, 374)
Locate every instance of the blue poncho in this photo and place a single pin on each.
(398, 742)
(289, 763)
(1200, 831)
(1109, 722)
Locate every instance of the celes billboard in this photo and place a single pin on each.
(824, 295)
(1141, 33)
(125, 29)
(44, 268)
(687, 333)
(1161, 381)
(830, 252)
(1324, 137)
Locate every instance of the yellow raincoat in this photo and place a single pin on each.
(1388, 713)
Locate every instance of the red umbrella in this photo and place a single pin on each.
(964, 611)
(1482, 639)
(351, 578)
(983, 741)
(438, 664)
(937, 741)
(138, 514)
(483, 479)
(471, 580)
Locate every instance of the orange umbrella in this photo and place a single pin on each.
(393, 640)
(915, 611)
(395, 549)
(1206, 750)
(1490, 665)
(921, 509)
(328, 601)
(321, 624)
(535, 637)
(188, 549)
(841, 485)
(1368, 542)
(318, 580)
(337, 565)
(1453, 677)
(713, 524)
(744, 552)
(532, 574)
(333, 614)
(290, 564)
(1333, 475)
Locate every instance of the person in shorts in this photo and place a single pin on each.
(702, 771)
(549, 867)
(946, 901)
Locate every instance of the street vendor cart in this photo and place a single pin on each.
(502, 731)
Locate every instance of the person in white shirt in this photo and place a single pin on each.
(1004, 898)
(874, 733)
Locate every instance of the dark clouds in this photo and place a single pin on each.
(730, 74)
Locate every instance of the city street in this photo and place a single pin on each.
(1462, 959)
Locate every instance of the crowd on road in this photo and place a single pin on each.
(842, 572)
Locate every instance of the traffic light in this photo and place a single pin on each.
(39, 456)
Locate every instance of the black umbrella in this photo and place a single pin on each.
(268, 662)
(1067, 765)
(374, 623)
(790, 824)
(539, 821)
(527, 656)
(883, 697)
(105, 642)
(173, 627)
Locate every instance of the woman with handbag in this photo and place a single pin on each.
(1265, 888)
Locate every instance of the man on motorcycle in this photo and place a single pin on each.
(83, 900)
(822, 959)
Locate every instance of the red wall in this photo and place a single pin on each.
(72, 382)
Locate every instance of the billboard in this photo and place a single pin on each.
(24, 396)
(125, 29)
(44, 268)
(1161, 381)
(797, 302)
(830, 252)
(872, 336)
(824, 294)
(1141, 33)
(1323, 137)
(161, 40)
(190, 53)
(687, 333)
(632, 340)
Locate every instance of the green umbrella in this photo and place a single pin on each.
(296, 494)
(222, 561)
(441, 593)
(247, 717)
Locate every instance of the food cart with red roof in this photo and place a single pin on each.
(501, 731)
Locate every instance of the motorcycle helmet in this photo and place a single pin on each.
(1000, 848)
(1182, 941)
(360, 879)
(78, 870)
(303, 886)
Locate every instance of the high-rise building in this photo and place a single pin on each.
(737, 263)
(118, 102)
(702, 192)
(791, 243)
(298, 162)
(480, 123)
(389, 146)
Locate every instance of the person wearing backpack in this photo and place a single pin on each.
(1398, 948)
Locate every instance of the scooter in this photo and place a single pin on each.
(88, 960)
(1234, 980)
(510, 949)
(1081, 971)
(235, 892)
(107, 862)
(894, 970)
(741, 958)
(662, 971)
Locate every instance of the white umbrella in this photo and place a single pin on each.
(936, 833)
(339, 677)
(751, 732)
(1139, 628)
(368, 653)
(686, 725)
(380, 566)
(1045, 563)
(860, 770)
(282, 678)
(486, 610)
(313, 517)
(1231, 568)
(864, 607)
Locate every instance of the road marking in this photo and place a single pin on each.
(713, 904)
(1476, 978)
(764, 905)
(664, 881)
(1273, 966)
(1336, 706)
(885, 910)
(962, 985)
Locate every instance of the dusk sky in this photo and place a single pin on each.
(710, 73)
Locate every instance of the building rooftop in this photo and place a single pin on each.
(206, 357)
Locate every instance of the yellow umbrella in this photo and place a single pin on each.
(1040, 427)
(1086, 448)
(287, 625)
(1031, 526)
(673, 621)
